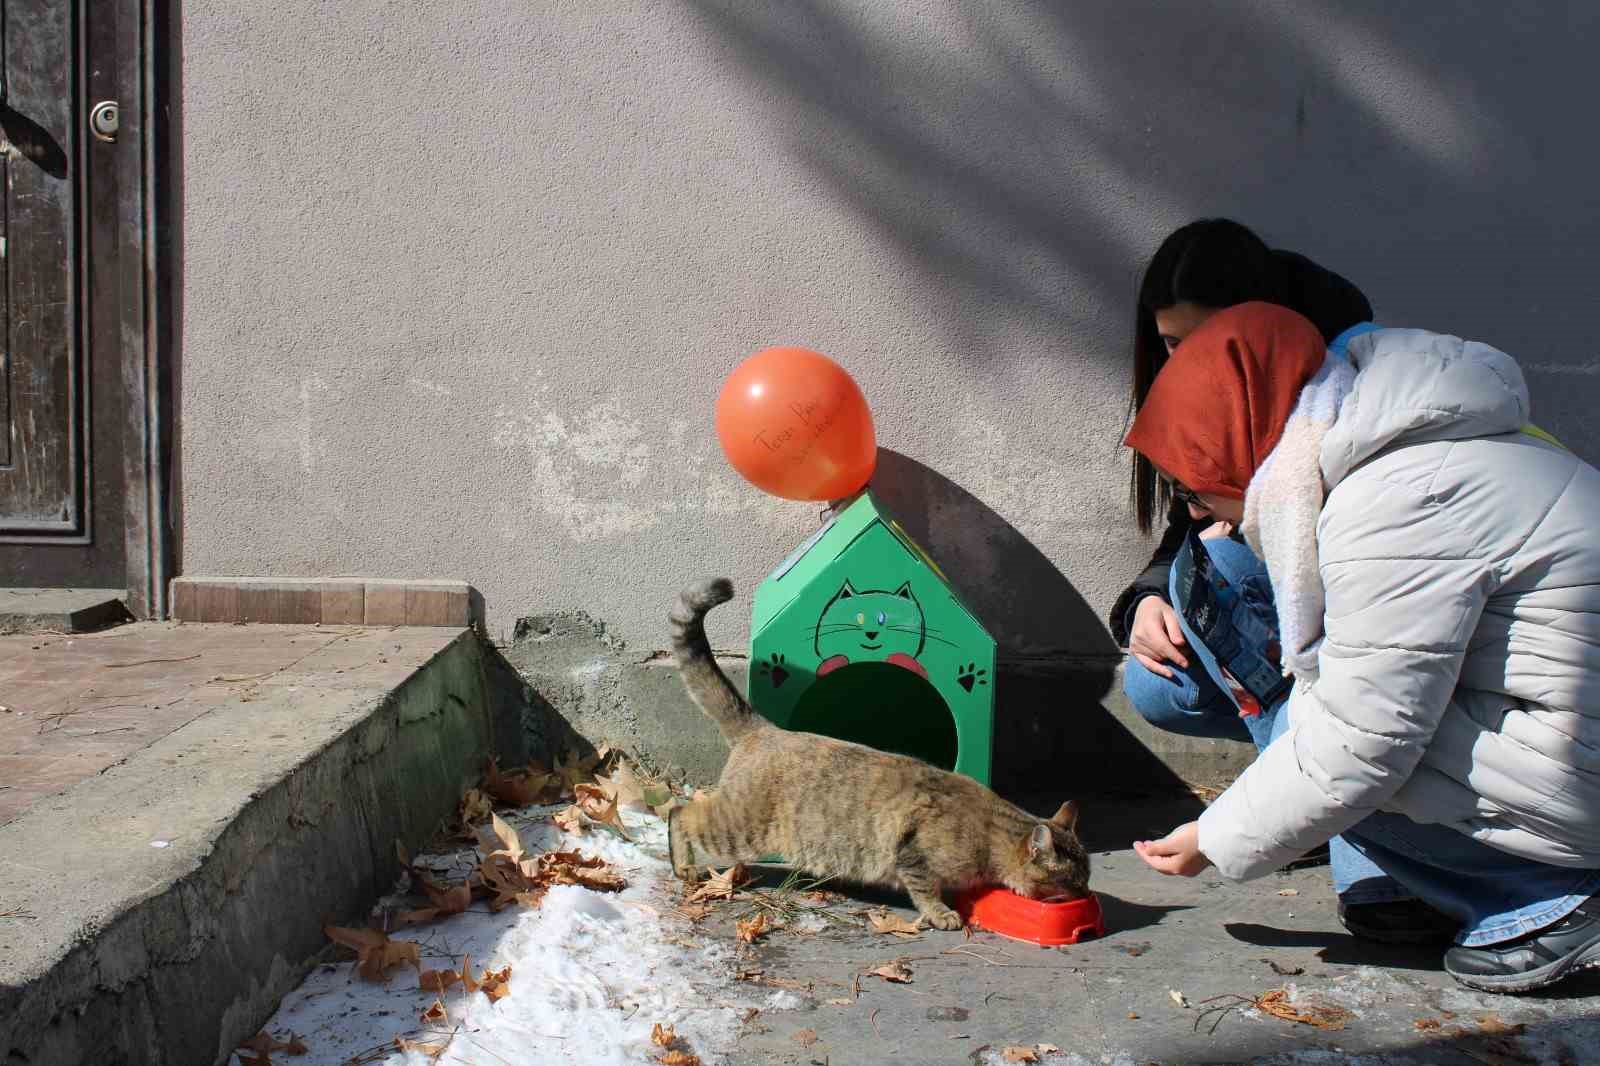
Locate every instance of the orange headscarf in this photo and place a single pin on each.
(1218, 407)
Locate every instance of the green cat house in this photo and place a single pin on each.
(858, 635)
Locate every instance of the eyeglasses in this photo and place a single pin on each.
(1186, 495)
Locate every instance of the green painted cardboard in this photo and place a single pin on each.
(858, 634)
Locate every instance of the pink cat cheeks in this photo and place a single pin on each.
(999, 910)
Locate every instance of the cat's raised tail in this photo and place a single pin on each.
(708, 686)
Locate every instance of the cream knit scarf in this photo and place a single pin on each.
(1281, 507)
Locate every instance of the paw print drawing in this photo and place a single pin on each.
(968, 676)
(774, 669)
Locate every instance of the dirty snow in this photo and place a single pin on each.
(591, 973)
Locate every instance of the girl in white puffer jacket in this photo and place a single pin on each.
(1437, 580)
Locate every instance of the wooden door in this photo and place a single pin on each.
(61, 395)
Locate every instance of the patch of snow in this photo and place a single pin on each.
(808, 923)
(783, 999)
(591, 973)
(995, 1056)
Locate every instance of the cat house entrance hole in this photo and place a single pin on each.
(883, 706)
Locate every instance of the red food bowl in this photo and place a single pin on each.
(1002, 911)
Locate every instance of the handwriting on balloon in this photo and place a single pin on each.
(812, 425)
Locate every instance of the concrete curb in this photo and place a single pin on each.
(1060, 724)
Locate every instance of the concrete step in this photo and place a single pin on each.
(61, 610)
(161, 895)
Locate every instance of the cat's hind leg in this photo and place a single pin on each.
(917, 878)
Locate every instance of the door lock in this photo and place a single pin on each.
(103, 120)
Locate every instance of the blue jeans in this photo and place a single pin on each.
(1197, 703)
(1496, 896)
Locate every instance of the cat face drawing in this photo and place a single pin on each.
(871, 625)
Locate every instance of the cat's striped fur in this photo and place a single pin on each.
(841, 810)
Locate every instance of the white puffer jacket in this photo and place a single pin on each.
(1459, 675)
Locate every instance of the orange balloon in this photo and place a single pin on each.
(796, 425)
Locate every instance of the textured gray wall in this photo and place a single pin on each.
(461, 279)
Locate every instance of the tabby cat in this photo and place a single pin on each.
(841, 810)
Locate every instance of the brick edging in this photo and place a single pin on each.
(328, 600)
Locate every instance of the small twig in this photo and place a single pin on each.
(974, 954)
(20, 915)
(279, 670)
(873, 1019)
(485, 1050)
(148, 662)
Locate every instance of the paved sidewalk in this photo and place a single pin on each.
(1112, 1001)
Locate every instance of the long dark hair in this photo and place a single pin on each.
(1217, 262)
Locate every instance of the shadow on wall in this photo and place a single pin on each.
(1026, 603)
(1053, 738)
(1028, 157)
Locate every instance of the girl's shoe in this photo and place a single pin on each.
(1534, 960)
(1401, 921)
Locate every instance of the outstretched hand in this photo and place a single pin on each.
(1178, 853)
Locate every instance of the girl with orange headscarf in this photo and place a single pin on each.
(1437, 585)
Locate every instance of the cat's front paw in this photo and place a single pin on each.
(941, 918)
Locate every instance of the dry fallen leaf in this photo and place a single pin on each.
(694, 911)
(432, 1051)
(446, 901)
(1276, 1003)
(1015, 1053)
(263, 1045)
(623, 787)
(376, 954)
(884, 922)
(677, 1058)
(574, 868)
(753, 929)
(594, 802)
(521, 788)
(1426, 1024)
(897, 972)
(451, 900)
(663, 1035)
(435, 1014)
(475, 807)
(573, 771)
(1493, 1023)
(719, 885)
(496, 984)
(441, 981)
(1288, 891)
(572, 820)
(1049, 1049)
(499, 839)
(805, 1037)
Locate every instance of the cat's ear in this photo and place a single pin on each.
(1040, 842)
(1067, 816)
(846, 590)
(904, 591)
